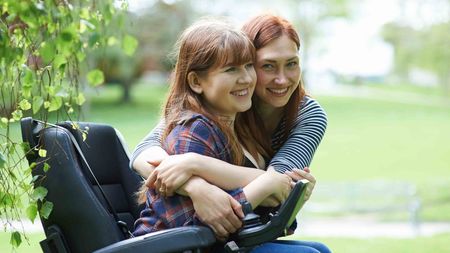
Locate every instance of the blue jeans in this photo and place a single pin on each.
(289, 246)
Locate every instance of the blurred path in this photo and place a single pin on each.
(326, 227)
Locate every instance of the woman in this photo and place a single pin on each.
(212, 84)
(290, 120)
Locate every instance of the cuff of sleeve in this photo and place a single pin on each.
(239, 195)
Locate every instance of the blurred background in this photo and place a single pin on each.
(380, 69)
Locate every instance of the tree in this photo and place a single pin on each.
(163, 22)
(424, 48)
(43, 48)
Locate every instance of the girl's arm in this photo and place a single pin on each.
(174, 170)
(305, 137)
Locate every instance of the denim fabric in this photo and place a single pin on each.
(289, 246)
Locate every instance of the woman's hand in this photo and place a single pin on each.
(297, 174)
(170, 173)
(217, 209)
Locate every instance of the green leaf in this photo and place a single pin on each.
(93, 39)
(95, 77)
(59, 60)
(129, 45)
(37, 104)
(42, 152)
(3, 122)
(46, 167)
(16, 239)
(2, 160)
(39, 193)
(47, 51)
(17, 115)
(112, 41)
(80, 99)
(25, 105)
(28, 78)
(46, 209)
(55, 104)
(31, 212)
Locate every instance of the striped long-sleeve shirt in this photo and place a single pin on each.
(296, 152)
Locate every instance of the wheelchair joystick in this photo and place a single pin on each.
(251, 219)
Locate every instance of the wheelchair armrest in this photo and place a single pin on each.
(255, 234)
(169, 240)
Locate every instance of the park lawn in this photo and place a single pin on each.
(438, 244)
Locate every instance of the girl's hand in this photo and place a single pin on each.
(280, 184)
(170, 173)
(270, 202)
(217, 209)
(297, 174)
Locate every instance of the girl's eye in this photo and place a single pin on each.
(230, 69)
(249, 65)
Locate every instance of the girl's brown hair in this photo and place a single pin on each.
(205, 46)
(262, 30)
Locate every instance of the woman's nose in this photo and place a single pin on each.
(281, 78)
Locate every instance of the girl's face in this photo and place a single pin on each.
(228, 90)
(278, 71)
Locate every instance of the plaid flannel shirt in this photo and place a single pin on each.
(195, 134)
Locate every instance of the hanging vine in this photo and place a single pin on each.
(44, 64)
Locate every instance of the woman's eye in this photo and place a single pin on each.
(292, 64)
(249, 65)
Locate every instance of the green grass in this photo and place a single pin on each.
(437, 243)
(29, 244)
(372, 139)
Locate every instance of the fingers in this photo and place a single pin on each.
(237, 208)
(293, 175)
(154, 163)
(151, 179)
(219, 231)
(270, 202)
(298, 174)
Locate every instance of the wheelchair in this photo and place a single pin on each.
(93, 191)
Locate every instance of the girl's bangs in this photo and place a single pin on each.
(236, 49)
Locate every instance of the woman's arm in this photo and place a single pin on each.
(149, 149)
(305, 137)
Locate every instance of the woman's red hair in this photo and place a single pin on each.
(262, 30)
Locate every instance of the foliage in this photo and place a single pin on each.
(163, 22)
(423, 48)
(43, 49)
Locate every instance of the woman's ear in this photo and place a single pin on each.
(194, 82)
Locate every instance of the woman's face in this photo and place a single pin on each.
(228, 90)
(278, 71)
